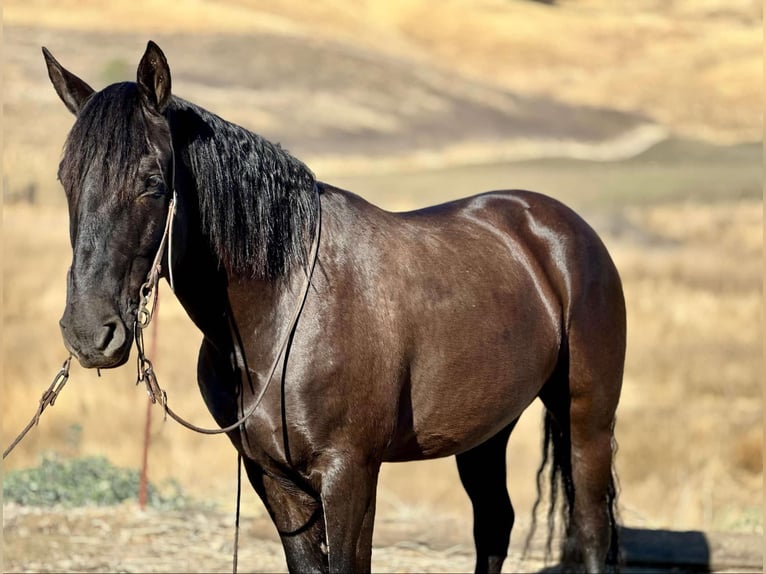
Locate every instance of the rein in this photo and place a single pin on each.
(145, 313)
(149, 293)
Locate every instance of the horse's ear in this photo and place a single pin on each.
(71, 89)
(154, 79)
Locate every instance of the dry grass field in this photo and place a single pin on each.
(683, 219)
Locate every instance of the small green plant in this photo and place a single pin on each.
(85, 481)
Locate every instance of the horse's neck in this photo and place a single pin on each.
(200, 287)
(261, 314)
(228, 309)
(223, 306)
(198, 283)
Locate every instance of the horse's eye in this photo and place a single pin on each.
(155, 186)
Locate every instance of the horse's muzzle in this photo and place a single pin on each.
(103, 345)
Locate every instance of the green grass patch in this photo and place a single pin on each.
(86, 481)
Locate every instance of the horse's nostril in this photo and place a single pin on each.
(111, 337)
(105, 335)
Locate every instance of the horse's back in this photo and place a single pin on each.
(512, 229)
(541, 232)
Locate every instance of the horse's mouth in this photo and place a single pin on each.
(98, 360)
(103, 362)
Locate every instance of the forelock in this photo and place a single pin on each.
(106, 142)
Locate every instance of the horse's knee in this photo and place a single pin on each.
(348, 498)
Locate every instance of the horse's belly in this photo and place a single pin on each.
(453, 407)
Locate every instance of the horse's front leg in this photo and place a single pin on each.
(348, 486)
(298, 517)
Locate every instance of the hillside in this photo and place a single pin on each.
(694, 66)
(340, 108)
(377, 87)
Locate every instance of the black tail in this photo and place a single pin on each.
(557, 453)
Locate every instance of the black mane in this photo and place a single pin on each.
(256, 201)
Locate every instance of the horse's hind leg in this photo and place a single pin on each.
(583, 406)
(482, 472)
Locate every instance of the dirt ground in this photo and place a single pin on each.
(127, 539)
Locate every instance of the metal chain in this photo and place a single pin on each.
(48, 398)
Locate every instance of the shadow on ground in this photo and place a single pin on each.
(646, 550)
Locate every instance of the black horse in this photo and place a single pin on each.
(423, 334)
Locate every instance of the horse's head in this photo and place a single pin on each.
(117, 172)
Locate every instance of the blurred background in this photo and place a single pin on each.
(644, 115)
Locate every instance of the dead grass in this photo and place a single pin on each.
(748, 452)
(691, 413)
